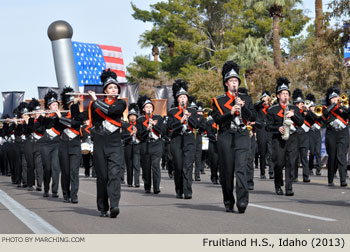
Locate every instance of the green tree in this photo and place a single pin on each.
(275, 10)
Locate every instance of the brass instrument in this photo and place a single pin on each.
(250, 130)
(86, 94)
(307, 104)
(318, 111)
(346, 103)
(273, 99)
(206, 112)
(343, 97)
(287, 122)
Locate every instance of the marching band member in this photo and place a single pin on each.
(231, 112)
(285, 150)
(337, 136)
(150, 130)
(32, 150)
(20, 142)
(105, 116)
(315, 138)
(85, 133)
(262, 135)
(132, 147)
(212, 132)
(69, 146)
(303, 135)
(181, 121)
(49, 145)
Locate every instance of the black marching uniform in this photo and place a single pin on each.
(88, 162)
(105, 118)
(212, 131)
(285, 152)
(151, 151)
(199, 162)
(337, 137)
(70, 148)
(131, 154)
(261, 134)
(233, 148)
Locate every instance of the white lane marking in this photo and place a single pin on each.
(293, 213)
(33, 221)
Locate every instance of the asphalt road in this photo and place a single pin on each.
(315, 208)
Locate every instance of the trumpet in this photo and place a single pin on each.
(346, 103)
(273, 99)
(343, 97)
(318, 111)
(86, 94)
(206, 112)
(307, 104)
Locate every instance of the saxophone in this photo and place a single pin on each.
(287, 122)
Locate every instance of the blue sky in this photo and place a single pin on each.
(25, 49)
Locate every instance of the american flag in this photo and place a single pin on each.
(92, 59)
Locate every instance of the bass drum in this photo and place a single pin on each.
(85, 148)
(205, 143)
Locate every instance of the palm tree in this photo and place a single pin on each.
(275, 9)
(318, 19)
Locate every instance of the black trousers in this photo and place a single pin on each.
(183, 154)
(169, 159)
(234, 150)
(69, 156)
(198, 164)
(151, 153)
(34, 164)
(303, 140)
(269, 153)
(5, 160)
(108, 167)
(250, 170)
(13, 157)
(262, 137)
(213, 159)
(86, 163)
(315, 139)
(285, 154)
(132, 161)
(50, 160)
(336, 146)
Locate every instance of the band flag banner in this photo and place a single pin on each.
(42, 91)
(91, 59)
(11, 100)
(165, 92)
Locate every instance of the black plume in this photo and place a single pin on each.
(191, 99)
(64, 97)
(48, 96)
(106, 74)
(177, 85)
(141, 101)
(311, 97)
(33, 104)
(228, 66)
(133, 106)
(22, 106)
(282, 80)
(200, 104)
(297, 93)
(330, 91)
(243, 90)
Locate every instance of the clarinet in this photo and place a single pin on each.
(185, 129)
(237, 121)
(134, 135)
(150, 135)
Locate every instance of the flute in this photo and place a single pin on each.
(45, 112)
(78, 93)
(11, 120)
